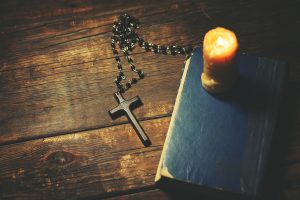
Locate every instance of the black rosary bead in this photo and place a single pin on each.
(141, 41)
(128, 85)
(155, 48)
(146, 46)
(189, 50)
(119, 66)
(129, 59)
(181, 51)
(173, 50)
(133, 80)
(164, 50)
(141, 74)
(121, 73)
(119, 78)
(125, 52)
(133, 68)
(121, 89)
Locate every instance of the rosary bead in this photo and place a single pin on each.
(141, 41)
(121, 89)
(146, 46)
(189, 50)
(133, 41)
(155, 48)
(117, 59)
(164, 50)
(133, 80)
(173, 50)
(133, 68)
(118, 79)
(168, 49)
(119, 66)
(129, 59)
(128, 85)
(141, 74)
(181, 51)
(125, 52)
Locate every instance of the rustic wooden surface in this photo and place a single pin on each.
(56, 71)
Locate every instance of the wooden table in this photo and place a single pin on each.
(56, 83)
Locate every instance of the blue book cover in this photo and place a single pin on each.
(221, 142)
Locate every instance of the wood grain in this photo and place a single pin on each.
(90, 163)
(56, 73)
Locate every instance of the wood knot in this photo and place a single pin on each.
(60, 157)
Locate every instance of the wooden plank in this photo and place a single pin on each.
(89, 38)
(92, 163)
(28, 15)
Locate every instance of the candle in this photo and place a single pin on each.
(220, 69)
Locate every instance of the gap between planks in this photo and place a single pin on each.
(78, 131)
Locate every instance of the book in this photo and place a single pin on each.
(219, 144)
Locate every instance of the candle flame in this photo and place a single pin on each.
(220, 41)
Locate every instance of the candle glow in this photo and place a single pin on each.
(219, 51)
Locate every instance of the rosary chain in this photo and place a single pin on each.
(125, 36)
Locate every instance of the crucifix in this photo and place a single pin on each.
(125, 107)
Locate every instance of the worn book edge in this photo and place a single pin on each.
(161, 170)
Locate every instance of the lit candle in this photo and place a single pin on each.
(220, 69)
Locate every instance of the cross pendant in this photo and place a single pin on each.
(125, 107)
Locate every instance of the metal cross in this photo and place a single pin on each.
(125, 107)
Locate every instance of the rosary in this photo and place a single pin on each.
(123, 34)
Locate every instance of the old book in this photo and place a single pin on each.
(218, 144)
